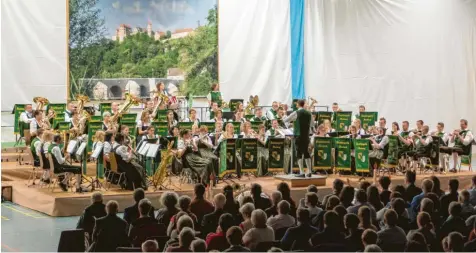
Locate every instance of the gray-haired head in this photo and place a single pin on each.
(96, 197)
(184, 202)
(112, 207)
(150, 246)
(372, 248)
(106, 114)
(247, 209)
(276, 196)
(186, 237)
(184, 222)
(259, 218)
(198, 245)
(144, 207)
(169, 199)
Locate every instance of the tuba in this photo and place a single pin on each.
(84, 116)
(313, 103)
(40, 103)
(252, 103)
(130, 101)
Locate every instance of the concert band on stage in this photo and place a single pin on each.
(197, 149)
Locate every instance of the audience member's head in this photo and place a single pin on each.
(246, 210)
(395, 195)
(276, 196)
(169, 200)
(96, 197)
(283, 187)
(455, 209)
(144, 207)
(150, 246)
(186, 237)
(312, 188)
(464, 197)
(351, 222)
(347, 195)
(255, 191)
(284, 207)
(112, 207)
(444, 244)
(259, 218)
(184, 222)
(436, 185)
(312, 199)
(399, 188)
(474, 181)
(373, 195)
(418, 237)
(198, 245)
(455, 242)
(331, 220)
(453, 185)
(332, 202)
(363, 185)
(337, 186)
(361, 196)
(234, 236)
(410, 177)
(427, 185)
(219, 200)
(427, 205)
(365, 216)
(184, 203)
(385, 182)
(399, 205)
(275, 249)
(303, 216)
(372, 248)
(199, 191)
(390, 218)
(369, 236)
(341, 211)
(414, 246)
(139, 194)
(424, 220)
(228, 192)
(435, 198)
(247, 199)
(225, 222)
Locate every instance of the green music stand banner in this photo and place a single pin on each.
(255, 125)
(161, 115)
(343, 156)
(96, 119)
(368, 119)
(465, 160)
(249, 117)
(64, 126)
(17, 110)
(249, 155)
(209, 125)
(322, 116)
(186, 125)
(93, 127)
(58, 108)
(59, 118)
(161, 128)
(343, 121)
(236, 126)
(227, 157)
(104, 107)
(322, 153)
(128, 118)
(276, 154)
(361, 150)
(234, 103)
(392, 158)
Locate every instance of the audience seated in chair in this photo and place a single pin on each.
(283, 219)
(454, 223)
(234, 237)
(132, 213)
(110, 230)
(245, 211)
(455, 242)
(425, 227)
(260, 231)
(360, 201)
(169, 201)
(369, 237)
(150, 246)
(276, 197)
(231, 205)
(198, 245)
(259, 201)
(392, 238)
(331, 233)
(218, 241)
(184, 206)
(183, 222)
(94, 211)
(411, 190)
(353, 239)
(145, 226)
(302, 201)
(445, 200)
(186, 237)
(297, 238)
(200, 206)
(283, 187)
(210, 221)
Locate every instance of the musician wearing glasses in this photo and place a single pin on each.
(273, 112)
(462, 139)
(27, 115)
(192, 117)
(135, 174)
(60, 165)
(258, 115)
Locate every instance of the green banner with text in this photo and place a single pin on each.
(322, 116)
(249, 155)
(361, 149)
(58, 108)
(343, 121)
(104, 107)
(322, 153)
(367, 119)
(392, 157)
(343, 156)
(59, 118)
(161, 128)
(227, 157)
(17, 110)
(276, 154)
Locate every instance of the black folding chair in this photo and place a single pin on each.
(72, 241)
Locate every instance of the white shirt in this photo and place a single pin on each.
(196, 121)
(223, 138)
(468, 138)
(66, 116)
(26, 117)
(57, 153)
(361, 131)
(38, 147)
(46, 145)
(256, 235)
(382, 143)
(314, 210)
(123, 153)
(270, 115)
(281, 221)
(204, 140)
(33, 126)
(97, 147)
(425, 141)
(107, 148)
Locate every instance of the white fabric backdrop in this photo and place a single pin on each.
(34, 47)
(254, 49)
(408, 59)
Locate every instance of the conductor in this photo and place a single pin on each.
(302, 125)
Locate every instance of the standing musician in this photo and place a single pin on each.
(144, 123)
(27, 115)
(60, 165)
(108, 146)
(335, 109)
(440, 132)
(35, 146)
(395, 128)
(258, 115)
(215, 95)
(161, 96)
(273, 112)
(263, 153)
(358, 125)
(302, 125)
(211, 114)
(171, 121)
(68, 113)
(135, 174)
(378, 145)
(361, 109)
(274, 130)
(192, 117)
(462, 139)
(205, 145)
(37, 122)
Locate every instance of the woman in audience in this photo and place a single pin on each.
(302, 201)
(246, 210)
(259, 201)
(169, 200)
(341, 211)
(436, 186)
(466, 208)
(425, 227)
(184, 205)
(186, 237)
(286, 194)
(365, 217)
(318, 221)
(276, 196)
(353, 239)
(311, 202)
(260, 231)
(231, 205)
(373, 197)
(347, 196)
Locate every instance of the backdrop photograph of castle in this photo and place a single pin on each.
(118, 46)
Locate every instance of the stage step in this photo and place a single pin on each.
(12, 171)
(15, 157)
(13, 150)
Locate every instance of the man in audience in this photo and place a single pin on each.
(369, 237)
(150, 246)
(276, 197)
(411, 191)
(132, 213)
(299, 236)
(392, 237)
(183, 222)
(184, 205)
(312, 200)
(140, 226)
(360, 201)
(425, 228)
(385, 193)
(399, 206)
(260, 231)
(354, 237)
(94, 211)
(234, 237)
(283, 219)
(337, 187)
(259, 201)
(110, 230)
(454, 223)
(186, 237)
(169, 201)
(200, 206)
(455, 242)
(426, 186)
(372, 248)
(302, 201)
(332, 231)
(218, 241)
(198, 245)
(445, 200)
(210, 221)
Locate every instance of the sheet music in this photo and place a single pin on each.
(80, 151)
(139, 146)
(285, 132)
(97, 150)
(71, 146)
(144, 148)
(153, 149)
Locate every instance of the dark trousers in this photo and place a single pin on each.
(302, 147)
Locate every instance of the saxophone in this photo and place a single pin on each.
(161, 173)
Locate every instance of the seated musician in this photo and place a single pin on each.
(35, 146)
(263, 153)
(361, 109)
(378, 145)
(328, 126)
(68, 113)
(358, 125)
(107, 124)
(382, 122)
(228, 133)
(462, 139)
(239, 107)
(248, 132)
(149, 107)
(135, 174)
(440, 133)
(239, 116)
(274, 130)
(37, 122)
(281, 116)
(218, 116)
(217, 133)
(205, 145)
(258, 115)
(273, 112)
(406, 140)
(422, 141)
(201, 167)
(419, 126)
(98, 149)
(108, 146)
(27, 115)
(395, 128)
(174, 132)
(42, 149)
(144, 123)
(150, 134)
(60, 165)
(195, 130)
(171, 121)
(210, 115)
(192, 117)
(353, 134)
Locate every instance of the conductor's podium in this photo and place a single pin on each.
(293, 181)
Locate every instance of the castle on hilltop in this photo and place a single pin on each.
(125, 30)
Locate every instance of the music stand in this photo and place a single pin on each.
(96, 184)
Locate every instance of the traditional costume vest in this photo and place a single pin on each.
(216, 97)
(262, 118)
(302, 124)
(422, 149)
(458, 143)
(32, 148)
(57, 166)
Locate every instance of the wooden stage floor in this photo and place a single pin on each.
(58, 203)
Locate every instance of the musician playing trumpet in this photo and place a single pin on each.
(422, 141)
(462, 139)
